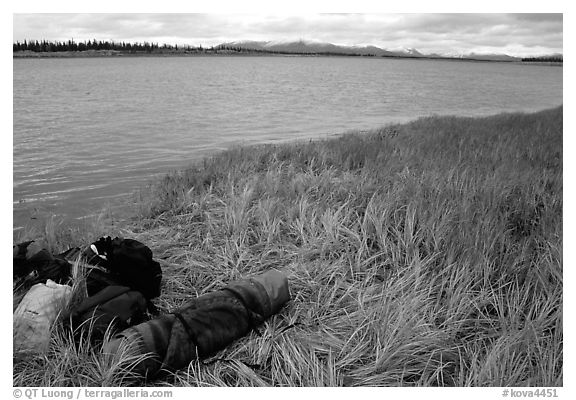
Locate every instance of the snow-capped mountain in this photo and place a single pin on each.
(482, 57)
(314, 47)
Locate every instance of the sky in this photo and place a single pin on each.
(443, 33)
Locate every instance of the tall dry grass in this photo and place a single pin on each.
(426, 254)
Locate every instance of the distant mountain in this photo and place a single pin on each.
(483, 57)
(408, 52)
(311, 47)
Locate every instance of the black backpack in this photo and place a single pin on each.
(114, 307)
(129, 262)
(33, 264)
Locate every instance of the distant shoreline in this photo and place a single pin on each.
(220, 53)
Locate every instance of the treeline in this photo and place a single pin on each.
(45, 46)
(71, 45)
(544, 59)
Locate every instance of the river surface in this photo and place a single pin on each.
(88, 131)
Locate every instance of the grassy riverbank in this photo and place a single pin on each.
(428, 253)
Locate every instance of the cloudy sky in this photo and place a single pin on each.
(513, 34)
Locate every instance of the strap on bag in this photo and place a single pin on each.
(191, 335)
(251, 321)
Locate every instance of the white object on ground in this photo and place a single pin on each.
(36, 314)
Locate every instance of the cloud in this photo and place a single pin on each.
(539, 18)
(427, 32)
